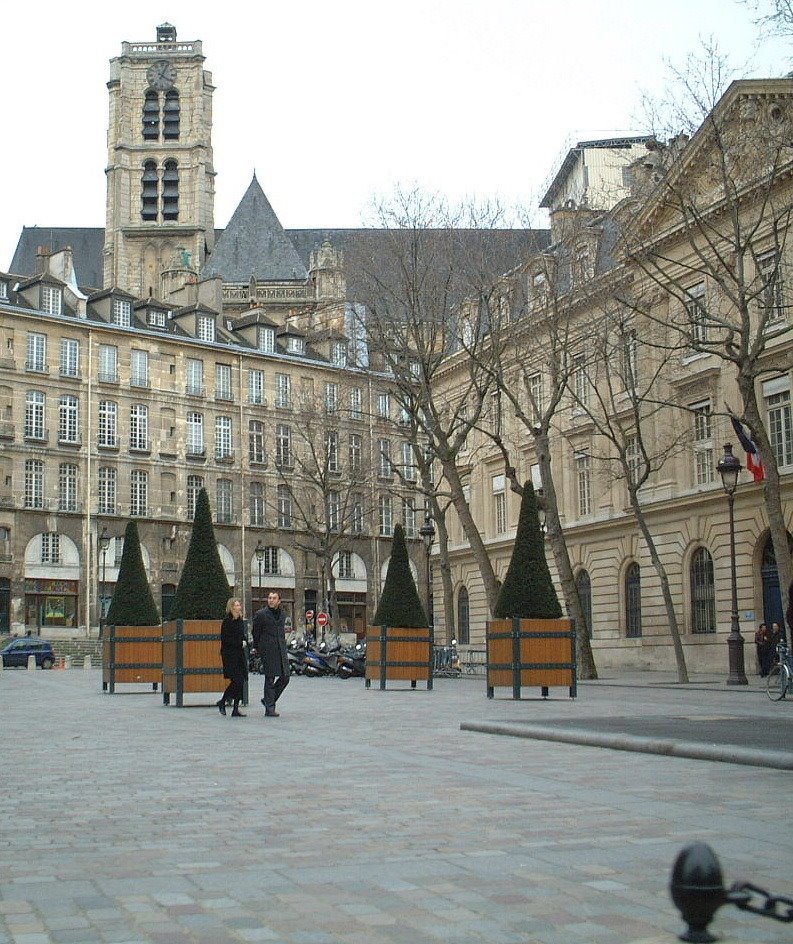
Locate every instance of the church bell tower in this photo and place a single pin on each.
(160, 173)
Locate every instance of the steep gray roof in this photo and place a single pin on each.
(254, 244)
(504, 248)
(87, 243)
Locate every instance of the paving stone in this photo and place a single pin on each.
(369, 818)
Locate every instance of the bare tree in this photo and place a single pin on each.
(528, 359)
(426, 295)
(324, 507)
(712, 236)
(617, 386)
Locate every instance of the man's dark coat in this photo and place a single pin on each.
(268, 638)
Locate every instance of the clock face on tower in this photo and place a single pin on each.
(161, 75)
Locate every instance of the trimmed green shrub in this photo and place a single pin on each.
(400, 604)
(203, 590)
(527, 591)
(132, 604)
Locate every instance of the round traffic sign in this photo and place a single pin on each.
(309, 614)
(322, 619)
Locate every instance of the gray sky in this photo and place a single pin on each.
(332, 103)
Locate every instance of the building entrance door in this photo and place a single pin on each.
(773, 606)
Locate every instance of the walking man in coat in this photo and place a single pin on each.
(268, 638)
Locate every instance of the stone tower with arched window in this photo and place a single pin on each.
(160, 174)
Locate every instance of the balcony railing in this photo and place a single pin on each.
(139, 381)
(195, 390)
(108, 376)
(37, 435)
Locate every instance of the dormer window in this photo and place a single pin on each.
(205, 328)
(122, 312)
(3, 290)
(51, 299)
(338, 354)
(265, 340)
(295, 345)
(156, 318)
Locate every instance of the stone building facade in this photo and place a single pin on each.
(156, 355)
(687, 396)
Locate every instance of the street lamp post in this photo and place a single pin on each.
(729, 467)
(427, 532)
(259, 552)
(104, 544)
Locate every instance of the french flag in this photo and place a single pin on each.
(754, 461)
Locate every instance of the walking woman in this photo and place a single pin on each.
(232, 651)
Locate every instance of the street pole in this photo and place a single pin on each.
(729, 467)
(104, 543)
(427, 532)
(259, 551)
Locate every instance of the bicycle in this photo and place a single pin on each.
(780, 677)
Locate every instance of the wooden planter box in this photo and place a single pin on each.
(191, 659)
(131, 654)
(523, 652)
(395, 653)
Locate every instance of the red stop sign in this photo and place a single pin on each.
(322, 619)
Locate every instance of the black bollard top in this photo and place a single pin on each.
(697, 889)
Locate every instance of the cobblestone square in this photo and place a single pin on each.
(367, 816)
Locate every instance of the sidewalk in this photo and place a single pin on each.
(366, 817)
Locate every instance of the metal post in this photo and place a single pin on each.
(259, 552)
(737, 674)
(729, 468)
(104, 543)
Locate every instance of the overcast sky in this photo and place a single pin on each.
(332, 103)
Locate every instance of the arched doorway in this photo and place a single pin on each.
(584, 585)
(773, 606)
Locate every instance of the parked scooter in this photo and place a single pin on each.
(324, 658)
(352, 662)
(296, 654)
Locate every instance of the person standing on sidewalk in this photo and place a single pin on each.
(269, 640)
(232, 652)
(761, 644)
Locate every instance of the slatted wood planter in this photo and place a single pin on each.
(191, 659)
(395, 653)
(531, 652)
(131, 654)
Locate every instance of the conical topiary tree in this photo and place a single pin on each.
(132, 604)
(203, 590)
(528, 592)
(400, 604)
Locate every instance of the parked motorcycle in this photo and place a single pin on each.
(324, 658)
(352, 662)
(296, 654)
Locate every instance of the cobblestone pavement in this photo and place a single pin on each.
(367, 817)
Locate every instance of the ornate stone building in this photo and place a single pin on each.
(145, 360)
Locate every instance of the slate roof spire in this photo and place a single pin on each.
(254, 244)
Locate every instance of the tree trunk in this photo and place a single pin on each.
(445, 568)
(472, 534)
(771, 492)
(677, 645)
(572, 601)
(333, 605)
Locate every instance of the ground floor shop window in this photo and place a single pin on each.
(50, 603)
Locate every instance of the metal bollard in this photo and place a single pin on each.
(697, 888)
(87, 662)
(31, 663)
